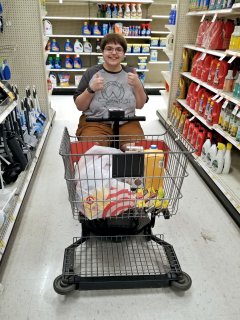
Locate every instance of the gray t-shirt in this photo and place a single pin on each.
(117, 93)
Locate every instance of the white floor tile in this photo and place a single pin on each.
(203, 235)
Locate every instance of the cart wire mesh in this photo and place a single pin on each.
(116, 184)
(130, 256)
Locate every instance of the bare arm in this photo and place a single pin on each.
(138, 89)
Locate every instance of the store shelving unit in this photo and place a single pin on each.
(225, 187)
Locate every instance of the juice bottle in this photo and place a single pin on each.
(153, 168)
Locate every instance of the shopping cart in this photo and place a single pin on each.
(117, 196)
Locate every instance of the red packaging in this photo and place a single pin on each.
(195, 63)
(191, 89)
(190, 130)
(201, 32)
(227, 33)
(220, 74)
(203, 102)
(195, 134)
(200, 68)
(205, 114)
(206, 67)
(212, 70)
(214, 38)
(186, 127)
(200, 93)
(214, 112)
(193, 99)
(201, 137)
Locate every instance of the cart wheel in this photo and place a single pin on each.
(62, 288)
(184, 283)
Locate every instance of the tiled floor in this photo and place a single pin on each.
(204, 237)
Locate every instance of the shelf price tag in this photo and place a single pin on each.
(214, 17)
(191, 119)
(215, 97)
(203, 56)
(225, 104)
(198, 87)
(222, 57)
(232, 59)
(203, 17)
(220, 99)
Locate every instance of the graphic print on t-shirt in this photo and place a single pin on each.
(113, 94)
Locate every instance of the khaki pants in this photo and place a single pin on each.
(102, 131)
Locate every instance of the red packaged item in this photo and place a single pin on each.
(186, 126)
(195, 63)
(227, 33)
(212, 70)
(206, 67)
(220, 74)
(200, 66)
(191, 89)
(190, 130)
(201, 137)
(201, 32)
(203, 100)
(195, 134)
(201, 93)
(214, 39)
(205, 114)
(214, 112)
(193, 99)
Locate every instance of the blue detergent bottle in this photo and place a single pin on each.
(58, 63)
(54, 47)
(77, 63)
(68, 46)
(86, 29)
(6, 70)
(68, 62)
(50, 62)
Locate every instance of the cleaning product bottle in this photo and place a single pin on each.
(48, 30)
(227, 115)
(86, 28)
(96, 30)
(139, 11)
(98, 48)
(127, 12)
(50, 63)
(228, 31)
(115, 11)
(57, 63)
(68, 47)
(185, 60)
(221, 116)
(174, 14)
(153, 168)
(87, 47)
(207, 108)
(212, 4)
(219, 4)
(200, 141)
(195, 134)
(133, 11)
(6, 71)
(53, 79)
(78, 47)
(68, 62)
(218, 161)
(54, 47)
(170, 19)
(233, 118)
(77, 62)
(206, 146)
(235, 125)
(120, 11)
(228, 82)
(211, 154)
(108, 11)
(227, 159)
(186, 126)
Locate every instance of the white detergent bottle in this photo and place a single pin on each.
(133, 12)
(206, 146)
(211, 154)
(78, 47)
(87, 47)
(127, 12)
(139, 11)
(218, 161)
(227, 159)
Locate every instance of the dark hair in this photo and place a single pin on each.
(114, 38)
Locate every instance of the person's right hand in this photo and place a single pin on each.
(97, 83)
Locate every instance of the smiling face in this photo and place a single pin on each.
(113, 55)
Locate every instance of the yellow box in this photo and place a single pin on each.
(153, 168)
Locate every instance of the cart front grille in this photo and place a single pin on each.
(120, 256)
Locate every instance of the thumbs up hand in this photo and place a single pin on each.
(133, 79)
(97, 83)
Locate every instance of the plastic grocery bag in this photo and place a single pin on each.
(98, 195)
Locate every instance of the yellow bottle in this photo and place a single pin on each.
(153, 168)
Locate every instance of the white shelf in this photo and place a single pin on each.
(155, 16)
(68, 70)
(236, 6)
(158, 62)
(159, 32)
(95, 19)
(222, 12)
(123, 1)
(65, 88)
(165, 95)
(92, 36)
(167, 76)
(144, 70)
(233, 53)
(217, 53)
(157, 48)
(227, 183)
(171, 27)
(193, 112)
(23, 180)
(154, 85)
(225, 95)
(4, 112)
(92, 53)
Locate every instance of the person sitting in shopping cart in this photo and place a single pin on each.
(109, 85)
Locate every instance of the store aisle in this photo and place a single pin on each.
(204, 237)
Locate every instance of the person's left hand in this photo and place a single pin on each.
(133, 79)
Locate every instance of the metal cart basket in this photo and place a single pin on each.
(116, 194)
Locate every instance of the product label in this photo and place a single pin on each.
(214, 165)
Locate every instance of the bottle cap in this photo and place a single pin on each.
(221, 146)
(153, 146)
(229, 146)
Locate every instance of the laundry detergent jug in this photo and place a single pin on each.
(206, 67)
(220, 74)
(191, 89)
(195, 62)
(212, 71)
